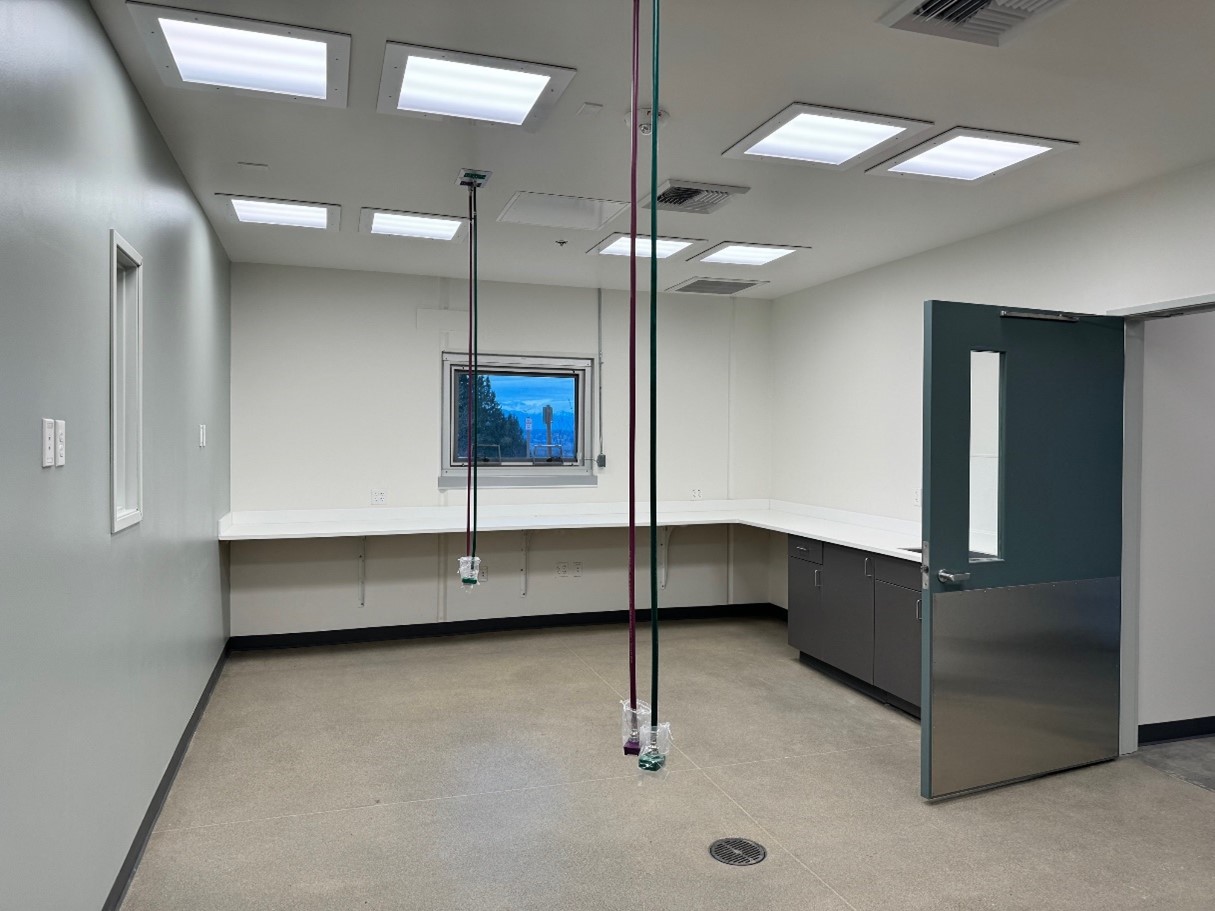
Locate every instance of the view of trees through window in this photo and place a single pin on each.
(521, 417)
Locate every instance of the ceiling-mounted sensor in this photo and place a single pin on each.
(645, 120)
(693, 196)
(990, 22)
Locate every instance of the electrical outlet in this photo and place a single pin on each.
(379, 497)
(60, 443)
(577, 570)
(697, 493)
(483, 573)
(563, 570)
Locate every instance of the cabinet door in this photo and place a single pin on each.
(896, 641)
(847, 611)
(805, 607)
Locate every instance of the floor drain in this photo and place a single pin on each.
(737, 852)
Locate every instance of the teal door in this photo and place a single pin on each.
(1022, 528)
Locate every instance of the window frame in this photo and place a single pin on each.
(125, 258)
(453, 473)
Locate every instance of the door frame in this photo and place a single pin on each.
(1132, 491)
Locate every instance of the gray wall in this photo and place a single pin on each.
(107, 641)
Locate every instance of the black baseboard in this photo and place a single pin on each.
(1177, 730)
(504, 624)
(127, 871)
(861, 686)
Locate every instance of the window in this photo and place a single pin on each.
(532, 420)
(126, 384)
(986, 445)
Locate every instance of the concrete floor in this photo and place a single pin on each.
(484, 773)
(1191, 760)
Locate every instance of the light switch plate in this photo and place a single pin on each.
(60, 442)
(48, 442)
(202, 436)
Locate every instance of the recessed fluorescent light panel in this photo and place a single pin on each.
(969, 155)
(425, 82)
(552, 211)
(618, 245)
(411, 224)
(243, 56)
(825, 137)
(288, 213)
(732, 254)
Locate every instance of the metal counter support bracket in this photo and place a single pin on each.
(526, 546)
(363, 572)
(665, 551)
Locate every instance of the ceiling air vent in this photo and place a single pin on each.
(991, 22)
(719, 286)
(694, 197)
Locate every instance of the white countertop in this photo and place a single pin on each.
(872, 533)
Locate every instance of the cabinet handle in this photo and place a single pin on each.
(868, 574)
(818, 578)
(919, 608)
(804, 550)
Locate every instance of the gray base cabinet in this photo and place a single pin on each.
(896, 641)
(847, 609)
(858, 612)
(805, 606)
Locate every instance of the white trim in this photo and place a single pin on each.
(1167, 308)
(121, 518)
(147, 20)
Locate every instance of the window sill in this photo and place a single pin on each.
(487, 478)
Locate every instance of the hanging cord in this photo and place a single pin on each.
(654, 118)
(468, 391)
(633, 358)
(476, 350)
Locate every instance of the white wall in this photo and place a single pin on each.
(847, 385)
(336, 389)
(313, 584)
(847, 356)
(1177, 574)
(107, 639)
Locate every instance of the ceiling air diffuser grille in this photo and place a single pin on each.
(718, 286)
(991, 22)
(694, 197)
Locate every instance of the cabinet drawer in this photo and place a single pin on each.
(806, 549)
(897, 572)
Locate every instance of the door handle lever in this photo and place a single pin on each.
(953, 578)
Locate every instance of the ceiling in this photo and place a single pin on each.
(1131, 85)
